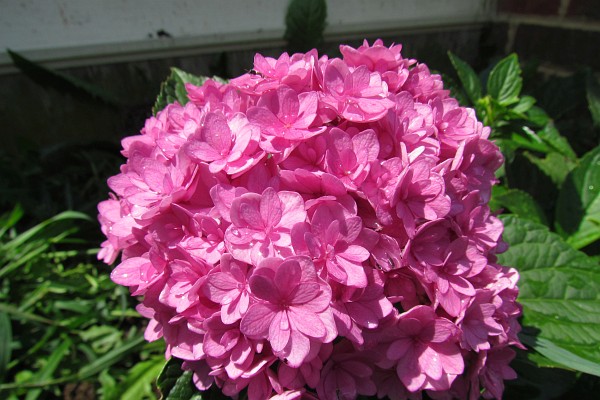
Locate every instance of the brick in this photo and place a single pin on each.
(570, 48)
(589, 9)
(536, 7)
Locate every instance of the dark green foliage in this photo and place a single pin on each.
(67, 322)
(305, 23)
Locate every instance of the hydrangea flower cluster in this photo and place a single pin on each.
(319, 227)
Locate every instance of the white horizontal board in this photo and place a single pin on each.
(75, 32)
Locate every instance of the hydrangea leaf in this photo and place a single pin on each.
(176, 384)
(5, 341)
(524, 105)
(556, 141)
(467, 77)
(456, 90)
(173, 88)
(504, 83)
(560, 294)
(517, 202)
(305, 23)
(593, 97)
(554, 165)
(578, 208)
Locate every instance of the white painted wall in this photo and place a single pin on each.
(80, 32)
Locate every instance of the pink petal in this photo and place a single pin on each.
(307, 322)
(127, 273)
(304, 293)
(279, 331)
(430, 363)
(270, 208)
(202, 151)
(216, 132)
(299, 348)
(255, 323)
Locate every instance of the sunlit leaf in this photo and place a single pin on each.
(578, 208)
(505, 82)
(560, 294)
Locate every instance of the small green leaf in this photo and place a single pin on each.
(9, 220)
(578, 207)
(5, 343)
(46, 372)
(111, 358)
(173, 88)
(468, 77)
(530, 141)
(524, 105)
(505, 82)
(538, 116)
(592, 88)
(518, 202)
(305, 24)
(138, 383)
(559, 291)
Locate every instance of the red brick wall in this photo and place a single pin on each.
(561, 34)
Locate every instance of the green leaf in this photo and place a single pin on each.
(108, 386)
(554, 139)
(518, 202)
(524, 105)
(529, 140)
(560, 294)
(505, 82)
(455, 90)
(138, 383)
(578, 207)
(61, 82)
(176, 384)
(305, 24)
(173, 88)
(553, 352)
(111, 358)
(9, 220)
(46, 372)
(467, 76)
(592, 89)
(538, 116)
(554, 165)
(5, 343)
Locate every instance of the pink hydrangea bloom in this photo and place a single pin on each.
(425, 350)
(319, 228)
(261, 225)
(285, 117)
(357, 95)
(293, 308)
